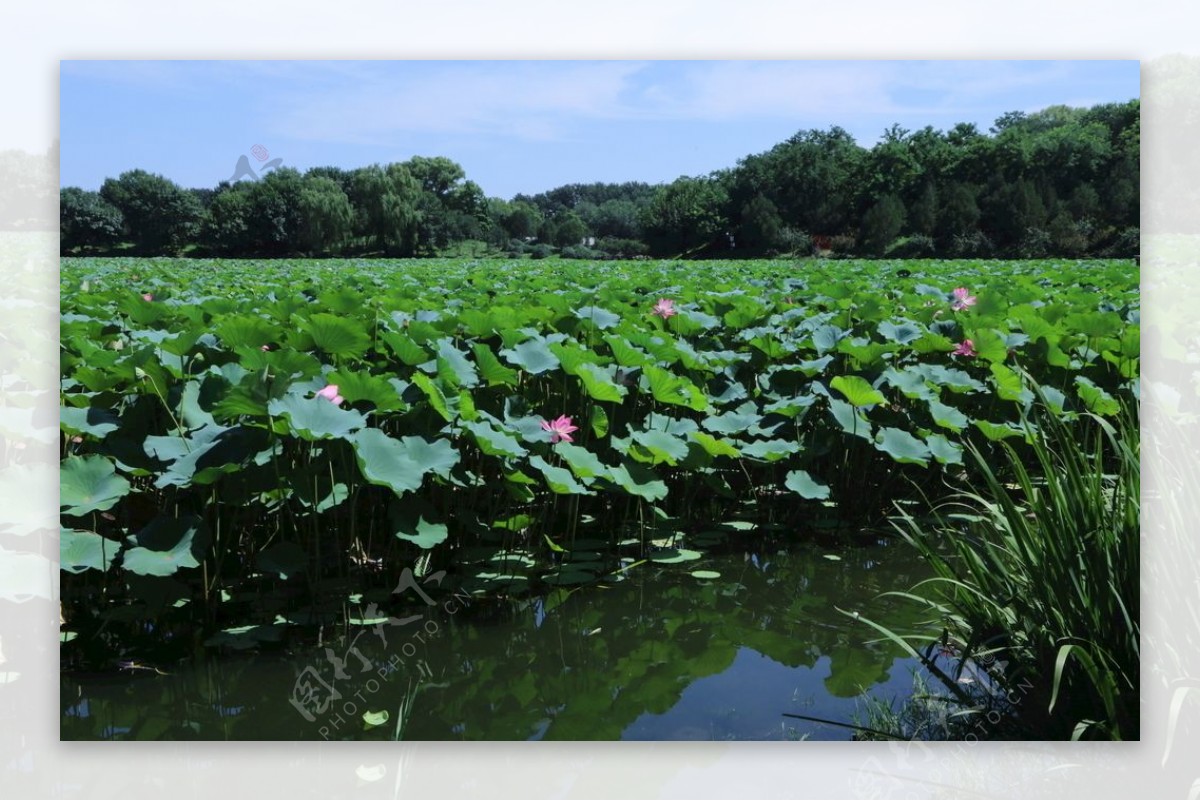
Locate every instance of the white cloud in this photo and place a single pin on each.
(530, 100)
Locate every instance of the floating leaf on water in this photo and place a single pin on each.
(243, 637)
(832, 557)
(373, 719)
(672, 556)
(705, 574)
(569, 577)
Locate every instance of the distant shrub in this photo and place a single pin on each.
(917, 246)
(516, 248)
(843, 245)
(1036, 244)
(583, 252)
(622, 248)
(974, 244)
(541, 251)
(794, 241)
(1127, 244)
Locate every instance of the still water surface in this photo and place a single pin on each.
(656, 655)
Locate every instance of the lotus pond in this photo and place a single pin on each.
(548, 499)
(656, 655)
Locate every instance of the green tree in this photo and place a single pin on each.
(521, 220)
(1012, 210)
(685, 215)
(923, 211)
(226, 225)
(86, 220)
(160, 217)
(386, 207)
(881, 224)
(958, 214)
(326, 216)
(274, 220)
(761, 229)
(569, 229)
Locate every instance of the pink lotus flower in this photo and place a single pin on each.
(147, 297)
(265, 348)
(962, 299)
(330, 393)
(559, 428)
(965, 348)
(664, 308)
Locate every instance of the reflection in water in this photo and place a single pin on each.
(656, 655)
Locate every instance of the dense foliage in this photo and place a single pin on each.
(231, 427)
(1057, 182)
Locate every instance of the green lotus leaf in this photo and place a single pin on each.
(246, 330)
(599, 384)
(316, 418)
(532, 356)
(359, 385)
(85, 550)
(999, 431)
(453, 367)
(90, 420)
(601, 318)
(491, 369)
(583, 463)
(671, 389)
(558, 479)
(851, 420)
(423, 533)
(1096, 399)
(735, 421)
(89, 484)
(770, 450)
(437, 398)
(800, 482)
(672, 556)
(344, 337)
(638, 480)
(386, 461)
(947, 416)
(714, 446)
(167, 545)
(661, 447)
(857, 391)
(493, 442)
(625, 353)
(902, 331)
(945, 451)
(405, 349)
(902, 446)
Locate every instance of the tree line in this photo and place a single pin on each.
(1058, 182)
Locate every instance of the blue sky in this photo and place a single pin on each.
(527, 126)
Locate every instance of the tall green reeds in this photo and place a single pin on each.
(1037, 574)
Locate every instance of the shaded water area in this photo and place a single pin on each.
(656, 654)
